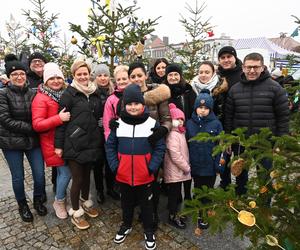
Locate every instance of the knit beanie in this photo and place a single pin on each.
(276, 73)
(133, 93)
(174, 68)
(204, 99)
(52, 70)
(12, 66)
(175, 112)
(227, 49)
(36, 55)
(101, 69)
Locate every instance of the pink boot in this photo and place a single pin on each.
(60, 209)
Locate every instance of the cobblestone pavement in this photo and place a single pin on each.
(51, 233)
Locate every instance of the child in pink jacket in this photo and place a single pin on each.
(176, 164)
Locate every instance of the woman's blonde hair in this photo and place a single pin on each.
(120, 68)
(79, 64)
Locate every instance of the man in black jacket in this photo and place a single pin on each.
(229, 70)
(256, 102)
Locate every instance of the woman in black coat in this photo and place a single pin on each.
(17, 138)
(80, 141)
(183, 96)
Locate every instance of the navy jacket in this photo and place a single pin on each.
(201, 159)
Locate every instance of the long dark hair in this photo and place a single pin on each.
(155, 78)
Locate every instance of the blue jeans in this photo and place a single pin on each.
(62, 181)
(15, 162)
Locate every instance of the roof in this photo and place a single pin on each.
(157, 42)
(287, 43)
(263, 43)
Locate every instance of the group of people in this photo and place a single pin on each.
(131, 131)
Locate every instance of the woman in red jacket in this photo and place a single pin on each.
(45, 118)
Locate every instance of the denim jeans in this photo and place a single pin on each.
(15, 162)
(62, 181)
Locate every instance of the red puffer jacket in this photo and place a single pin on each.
(45, 119)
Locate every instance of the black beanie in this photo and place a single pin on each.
(227, 49)
(12, 66)
(133, 93)
(173, 68)
(36, 55)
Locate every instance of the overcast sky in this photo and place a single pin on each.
(235, 18)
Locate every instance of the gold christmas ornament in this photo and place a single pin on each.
(198, 231)
(211, 213)
(73, 40)
(277, 185)
(272, 241)
(237, 167)
(274, 174)
(252, 204)
(246, 218)
(263, 190)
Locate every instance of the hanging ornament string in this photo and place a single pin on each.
(98, 42)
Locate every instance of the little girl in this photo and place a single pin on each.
(176, 164)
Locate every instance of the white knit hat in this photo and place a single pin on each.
(52, 70)
(276, 73)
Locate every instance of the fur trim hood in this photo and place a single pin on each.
(157, 95)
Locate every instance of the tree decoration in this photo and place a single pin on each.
(237, 167)
(74, 40)
(117, 28)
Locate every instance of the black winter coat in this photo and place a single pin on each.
(80, 138)
(16, 131)
(183, 96)
(34, 80)
(257, 104)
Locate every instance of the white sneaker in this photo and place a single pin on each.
(122, 233)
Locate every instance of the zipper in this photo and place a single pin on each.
(132, 172)
(251, 105)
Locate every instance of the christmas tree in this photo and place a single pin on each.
(17, 41)
(197, 30)
(43, 29)
(269, 213)
(112, 30)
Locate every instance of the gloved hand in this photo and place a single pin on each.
(158, 133)
(113, 124)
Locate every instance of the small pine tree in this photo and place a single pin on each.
(111, 31)
(42, 29)
(17, 37)
(196, 29)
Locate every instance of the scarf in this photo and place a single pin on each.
(198, 86)
(53, 94)
(87, 90)
(176, 89)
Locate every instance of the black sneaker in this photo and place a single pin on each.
(175, 221)
(122, 233)
(25, 213)
(149, 241)
(202, 224)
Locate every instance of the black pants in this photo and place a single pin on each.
(80, 182)
(99, 176)
(187, 189)
(174, 195)
(141, 195)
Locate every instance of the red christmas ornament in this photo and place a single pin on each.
(210, 33)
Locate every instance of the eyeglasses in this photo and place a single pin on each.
(16, 75)
(255, 68)
(36, 61)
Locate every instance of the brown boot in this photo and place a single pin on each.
(88, 208)
(77, 218)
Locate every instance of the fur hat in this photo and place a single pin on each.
(52, 70)
(229, 50)
(204, 99)
(175, 112)
(133, 93)
(36, 55)
(174, 68)
(12, 66)
(101, 69)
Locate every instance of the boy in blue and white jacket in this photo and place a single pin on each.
(204, 166)
(134, 161)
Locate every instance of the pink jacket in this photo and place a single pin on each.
(176, 163)
(110, 111)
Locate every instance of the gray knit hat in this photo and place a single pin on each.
(101, 69)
